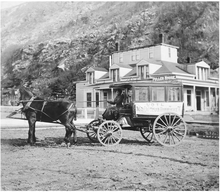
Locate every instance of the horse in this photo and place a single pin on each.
(38, 109)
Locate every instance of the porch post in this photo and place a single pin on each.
(216, 99)
(112, 93)
(210, 101)
(194, 98)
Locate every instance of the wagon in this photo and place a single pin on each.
(156, 110)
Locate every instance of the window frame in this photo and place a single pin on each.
(89, 102)
(169, 94)
(152, 92)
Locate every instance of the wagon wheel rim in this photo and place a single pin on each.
(92, 129)
(147, 134)
(169, 129)
(109, 133)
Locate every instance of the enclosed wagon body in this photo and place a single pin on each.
(156, 109)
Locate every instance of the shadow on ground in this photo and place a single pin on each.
(58, 142)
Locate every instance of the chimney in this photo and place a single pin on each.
(188, 60)
(161, 38)
(110, 60)
(117, 46)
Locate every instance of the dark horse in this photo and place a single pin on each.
(37, 109)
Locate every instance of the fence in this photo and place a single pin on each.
(82, 113)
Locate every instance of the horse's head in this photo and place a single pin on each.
(25, 95)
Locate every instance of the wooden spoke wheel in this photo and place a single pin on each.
(147, 133)
(92, 129)
(109, 133)
(169, 129)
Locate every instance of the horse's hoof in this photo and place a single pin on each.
(63, 144)
(68, 145)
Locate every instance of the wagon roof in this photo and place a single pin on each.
(130, 84)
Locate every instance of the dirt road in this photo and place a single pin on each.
(131, 165)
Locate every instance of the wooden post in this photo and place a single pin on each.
(85, 113)
(97, 113)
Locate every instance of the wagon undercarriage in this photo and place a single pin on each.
(168, 129)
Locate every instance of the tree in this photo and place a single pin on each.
(193, 26)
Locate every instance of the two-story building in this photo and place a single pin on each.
(156, 63)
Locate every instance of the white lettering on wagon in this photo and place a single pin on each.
(158, 108)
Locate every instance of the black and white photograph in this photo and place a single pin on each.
(109, 95)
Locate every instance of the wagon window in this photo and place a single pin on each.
(141, 94)
(158, 94)
(174, 94)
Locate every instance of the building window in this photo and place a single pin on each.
(202, 73)
(133, 56)
(89, 99)
(143, 71)
(189, 97)
(174, 94)
(137, 55)
(147, 71)
(142, 94)
(169, 52)
(151, 52)
(97, 99)
(158, 94)
(105, 97)
(91, 78)
(121, 58)
(115, 75)
(207, 98)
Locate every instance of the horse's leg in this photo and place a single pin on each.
(74, 133)
(31, 116)
(68, 134)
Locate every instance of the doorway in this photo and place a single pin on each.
(198, 100)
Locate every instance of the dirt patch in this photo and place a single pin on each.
(131, 165)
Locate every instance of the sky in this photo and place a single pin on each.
(6, 4)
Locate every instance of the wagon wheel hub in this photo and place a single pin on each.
(169, 128)
(109, 133)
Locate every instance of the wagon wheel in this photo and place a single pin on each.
(109, 133)
(147, 133)
(169, 129)
(92, 129)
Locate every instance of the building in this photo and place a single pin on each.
(156, 63)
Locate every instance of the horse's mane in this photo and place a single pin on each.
(25, 91)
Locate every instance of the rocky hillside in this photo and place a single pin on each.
(48, 43)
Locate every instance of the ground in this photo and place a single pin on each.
(131, 165)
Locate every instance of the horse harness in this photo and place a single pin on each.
(28, 106)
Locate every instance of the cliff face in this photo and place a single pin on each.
(48, 43)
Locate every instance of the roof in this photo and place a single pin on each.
(120, 65)
(106, 76)
(100, 69)
(169, 67)
(97, 69)
(133, 72)
(214, 73)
